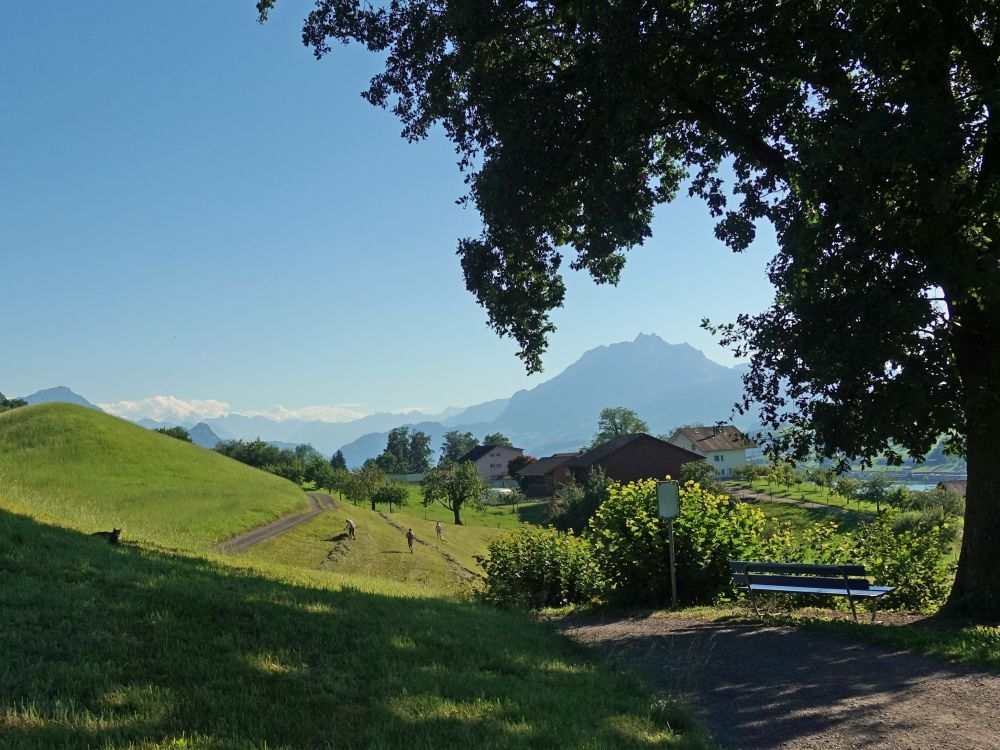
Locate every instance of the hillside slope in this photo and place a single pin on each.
(131, 647)
(96, 471)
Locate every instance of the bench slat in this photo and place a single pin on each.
(738, 567)
(873, 591)
(823, 582)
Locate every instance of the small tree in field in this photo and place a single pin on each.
(390, 494)
(454, 485)
(848, 488)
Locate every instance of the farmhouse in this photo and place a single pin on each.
(723, 446)
(543, 477)
(491, 460)
(628, 458)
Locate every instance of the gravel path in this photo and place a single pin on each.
(319, 502)
(761, 687)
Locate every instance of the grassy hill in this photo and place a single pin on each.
(129, 647)
(95, 471)
(138, 646)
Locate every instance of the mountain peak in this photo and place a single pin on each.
(60, 394)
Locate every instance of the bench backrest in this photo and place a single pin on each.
(747, 572)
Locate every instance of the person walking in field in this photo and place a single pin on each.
(409, 539)
(350, 528)
(438, 530)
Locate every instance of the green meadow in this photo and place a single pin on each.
(94, 471)
(146, 646)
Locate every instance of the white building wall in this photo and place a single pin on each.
(723, 461)
(494, 464)
(726, 461)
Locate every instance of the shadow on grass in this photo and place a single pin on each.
(536, 513)
(108, 647)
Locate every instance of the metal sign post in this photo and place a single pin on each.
(668, 506)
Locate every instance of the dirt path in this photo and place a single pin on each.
(761, 687)
(319, 502)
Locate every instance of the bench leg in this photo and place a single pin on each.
(874, 607)
(853, 610)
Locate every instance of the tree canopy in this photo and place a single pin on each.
(864, 131)
(11, 403)
(456, 444)
(497, 438)
(454, 485)
(615, 421)
(337, 460)
(175, 432)
(405, 453)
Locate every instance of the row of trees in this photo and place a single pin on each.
(453, 485)
(410, 452)
(6, 404)
(302, 464)
(405, 452)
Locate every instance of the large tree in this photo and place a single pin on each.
(456, 444)
(454, 485)
(419, 452)
(497, 438)
(615, 421)
(864, 131)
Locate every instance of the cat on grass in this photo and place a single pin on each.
(111, 536)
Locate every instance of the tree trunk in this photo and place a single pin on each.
(976, 591)
(373, 505)
(457, 508)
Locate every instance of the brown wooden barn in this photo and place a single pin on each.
(543, 477)
(628, 458)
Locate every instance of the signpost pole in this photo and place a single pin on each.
(673, 566)
(668, 507)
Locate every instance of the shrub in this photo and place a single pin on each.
(576, 503)
(540, 568)
(624, 555)
(910, 561)
(950, 503)
(631, 545)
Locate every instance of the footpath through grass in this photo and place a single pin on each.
(94, 471)
(378, 552)
(443, 565)
(131, 647)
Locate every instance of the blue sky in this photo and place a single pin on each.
(192, 206)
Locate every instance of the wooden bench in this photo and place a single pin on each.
(803, 578)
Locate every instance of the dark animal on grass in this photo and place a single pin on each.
(111, 536)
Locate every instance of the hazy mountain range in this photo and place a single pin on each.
(666, 384)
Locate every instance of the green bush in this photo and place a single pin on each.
(910, 561)
(572, 508)
(540, 568)
(631, 546)
(623, 557)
